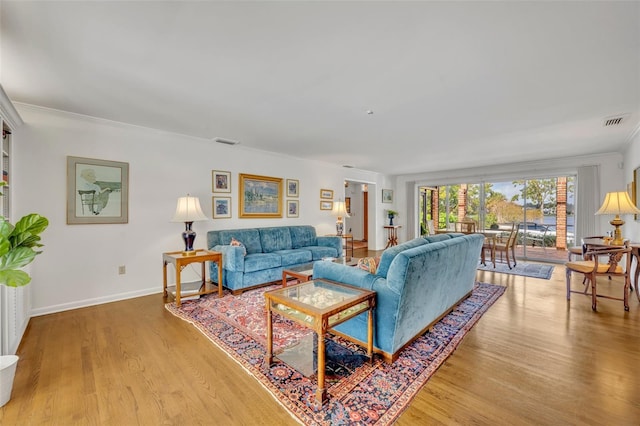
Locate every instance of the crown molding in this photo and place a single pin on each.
(8, 111)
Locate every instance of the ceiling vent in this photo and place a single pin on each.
(614, 121)
(225, 141)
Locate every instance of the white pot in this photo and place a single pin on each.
(8, 364)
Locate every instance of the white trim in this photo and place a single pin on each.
(95, 301)
(8, 111)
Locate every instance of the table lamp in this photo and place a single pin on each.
(340, 210)
(617, 203)
(188, 211)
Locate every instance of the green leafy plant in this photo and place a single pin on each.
(18, 245)
(392, 213)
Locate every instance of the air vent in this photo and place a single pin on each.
(226, 141)
(614, 121)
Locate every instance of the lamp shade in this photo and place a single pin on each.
(340, 209)
(618, 203)
(188, 210)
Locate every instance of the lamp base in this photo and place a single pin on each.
(617, 234)
(339, 227)
(189, 236)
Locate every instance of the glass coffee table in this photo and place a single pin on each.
(304, 272)
(319, 305)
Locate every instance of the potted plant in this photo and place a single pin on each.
(17, 249)
(391, 214)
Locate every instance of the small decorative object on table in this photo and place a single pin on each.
(391, 214)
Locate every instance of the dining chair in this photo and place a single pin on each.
(508, 245)
(592, 267)
(466, 227)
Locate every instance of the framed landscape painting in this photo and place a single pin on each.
(326, 205)
(260, 196)
(97, 191)
(326, 194)
(221, 207)
(220, 181)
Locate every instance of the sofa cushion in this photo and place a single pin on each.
(369, 264)
(318, 252)
(294, 256)
(273, 239)
(259, 261)
(236, 243)
(249, 237)
(302, 236)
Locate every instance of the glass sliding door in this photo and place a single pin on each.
(543, 208)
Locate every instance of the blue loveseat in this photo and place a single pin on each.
(416, 284)
(268, 251)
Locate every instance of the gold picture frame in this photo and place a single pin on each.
(260, 196)
(221, 207)
(97, 191)
(326, 194)
(326, 205)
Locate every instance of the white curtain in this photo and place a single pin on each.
(587, 202)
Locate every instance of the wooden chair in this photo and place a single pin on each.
(579, 251)
(507, 245)
(591, 267)
(466, 227)
(490, 246)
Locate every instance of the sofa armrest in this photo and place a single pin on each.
(331, 241)
(343, 274)
(232, 257)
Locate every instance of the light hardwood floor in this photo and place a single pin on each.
(532, 358)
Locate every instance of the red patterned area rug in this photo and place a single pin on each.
(359, 393)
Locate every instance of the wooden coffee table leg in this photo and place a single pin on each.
(269, 356)
(321, 392)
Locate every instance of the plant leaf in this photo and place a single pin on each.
(14, 278)
(17, 258)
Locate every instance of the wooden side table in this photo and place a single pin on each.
(348, 239)
(180, 261)
(392, 235)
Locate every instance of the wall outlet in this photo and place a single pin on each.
(122, 270)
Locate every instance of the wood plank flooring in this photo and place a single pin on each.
(532, 359)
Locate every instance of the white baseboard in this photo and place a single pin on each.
(95, 301)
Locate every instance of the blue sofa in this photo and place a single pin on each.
(268, 252)
(416, 284)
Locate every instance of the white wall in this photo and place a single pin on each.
(631, 228)
(79, 263)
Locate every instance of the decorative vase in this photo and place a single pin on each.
(391, 219)
(8, 364)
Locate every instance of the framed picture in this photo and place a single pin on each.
(387, 195)
(292, 208)
(347, 204)
(260, 196)
(97, 191)
(326, 205)
(326, 194)
(220, 181)
(293, 187)
(221, 207)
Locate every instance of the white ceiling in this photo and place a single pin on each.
(450, 84)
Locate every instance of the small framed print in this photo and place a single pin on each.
(387, 195)
(326, 194)
(292, 208)
(220, 181)
(326, 205)
(293, 187)
(221, 207)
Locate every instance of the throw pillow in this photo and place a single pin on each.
(369, 264)
(237, 243)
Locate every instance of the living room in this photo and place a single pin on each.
(80, 264)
